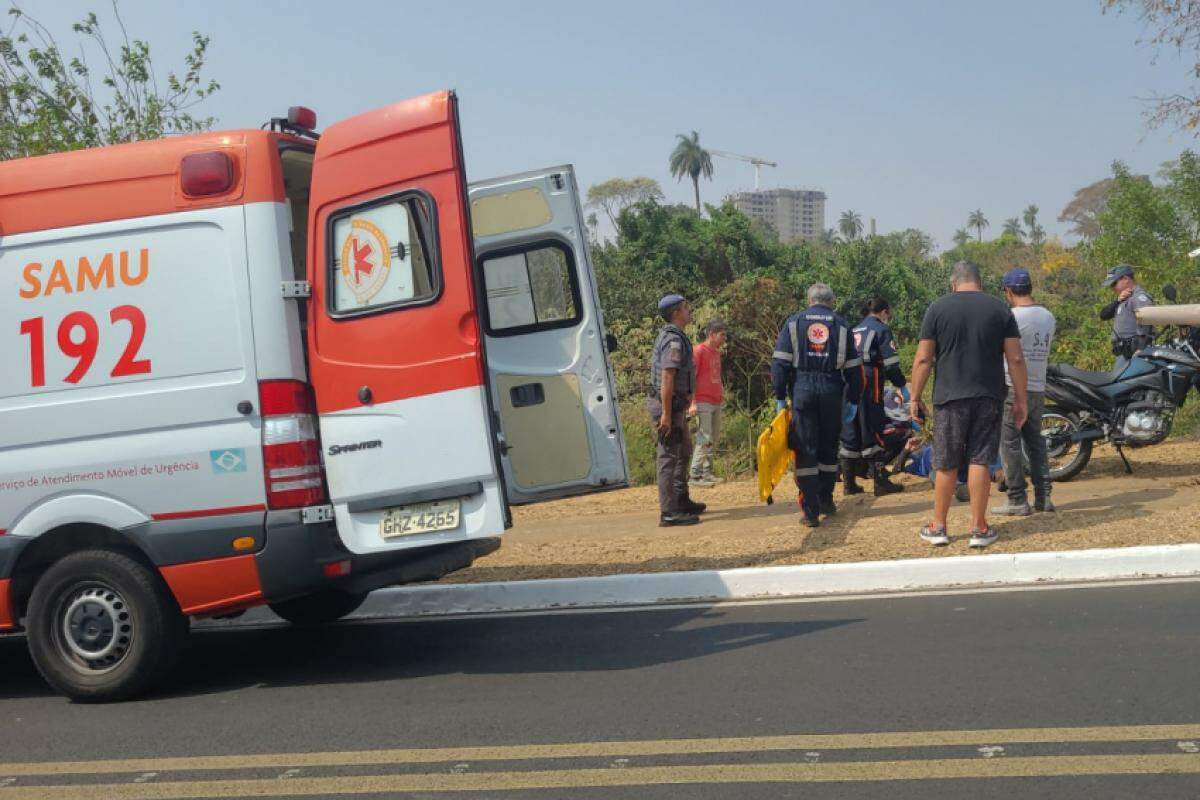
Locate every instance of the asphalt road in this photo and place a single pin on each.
(1078, 693)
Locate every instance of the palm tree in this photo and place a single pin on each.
(1012, 227)
(689, 158)
(961, 237)
(850, 224)
(978, 221)
(1036, 232)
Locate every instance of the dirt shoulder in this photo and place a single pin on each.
(617, 532)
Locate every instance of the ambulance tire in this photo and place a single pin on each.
(319, 608)
(128, 628)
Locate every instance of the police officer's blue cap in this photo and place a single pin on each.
(1017, 279)
(670, 301)
(1116, 273)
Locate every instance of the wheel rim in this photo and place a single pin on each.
(1057, 430)
(94, 628)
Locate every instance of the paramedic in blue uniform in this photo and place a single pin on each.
(863, 447)
(673, 382)
(816, 364)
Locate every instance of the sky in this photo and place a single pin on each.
(910, 113)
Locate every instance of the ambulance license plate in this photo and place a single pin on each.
(440, 515)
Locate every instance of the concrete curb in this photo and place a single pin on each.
(807, 580)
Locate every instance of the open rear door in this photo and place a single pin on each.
(394, 342)
(546, 343)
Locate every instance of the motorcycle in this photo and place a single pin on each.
(1133, 406)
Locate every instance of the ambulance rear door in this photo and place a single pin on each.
(395, 355)
(547, 348)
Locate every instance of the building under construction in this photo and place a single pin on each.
(792, 213)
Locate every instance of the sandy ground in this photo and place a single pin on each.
(616, 532)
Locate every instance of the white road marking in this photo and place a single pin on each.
(291, 773)
(1188, 747)
(145, 776)
(991, 751)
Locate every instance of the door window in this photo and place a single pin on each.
(531, 288)
(381, 256)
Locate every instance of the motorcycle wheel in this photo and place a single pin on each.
(1066, 458)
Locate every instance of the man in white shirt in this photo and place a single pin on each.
(1036, 324)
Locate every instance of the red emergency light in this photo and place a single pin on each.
(205, 174)
(301, 117)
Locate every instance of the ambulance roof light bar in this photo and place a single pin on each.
(299, 120)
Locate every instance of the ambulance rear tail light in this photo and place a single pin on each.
(205, 174)
(291, 447)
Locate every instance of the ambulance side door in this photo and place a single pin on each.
(547, 348)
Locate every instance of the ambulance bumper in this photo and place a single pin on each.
(294, 560)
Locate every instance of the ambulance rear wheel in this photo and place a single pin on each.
(319, 608)
(102, 626)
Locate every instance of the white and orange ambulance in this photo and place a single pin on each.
(264, 366)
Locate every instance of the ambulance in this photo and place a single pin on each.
(276, 367)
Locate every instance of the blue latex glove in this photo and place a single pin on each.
(851, 411)
(905, 394)
(780, 405)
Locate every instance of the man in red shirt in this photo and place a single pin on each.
(706, 406)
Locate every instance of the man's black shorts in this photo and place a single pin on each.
(966, 432)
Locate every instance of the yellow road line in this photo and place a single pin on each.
(744, 744)
(875, 771)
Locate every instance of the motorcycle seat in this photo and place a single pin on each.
(1084, 375)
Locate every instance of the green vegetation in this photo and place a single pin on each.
(50, 102)
(728, 267)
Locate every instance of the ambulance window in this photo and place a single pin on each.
(297, 178)
(381, 256)
(531, 288)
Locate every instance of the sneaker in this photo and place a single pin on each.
(1044, 506)
(962, 494)
(673, 518)
(1011, 509)
(710, 478)
(935, 536)
(983, 538)
(701, 480)
(828, 507)
(692, 507)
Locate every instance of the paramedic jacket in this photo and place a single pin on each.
(878, 351)
(815, 354)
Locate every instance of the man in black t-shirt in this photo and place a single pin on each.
(966, 337)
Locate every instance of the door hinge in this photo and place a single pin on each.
(292, 289)
(313, 515)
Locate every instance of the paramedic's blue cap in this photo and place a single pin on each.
(669, 301)
(1116, 273)
(1017, 279)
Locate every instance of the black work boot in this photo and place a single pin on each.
(828, 507)
(808, 521)
(849, 481)
(693, 507)
(883, 484)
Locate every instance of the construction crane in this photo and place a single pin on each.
(758, 163)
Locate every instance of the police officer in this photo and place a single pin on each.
(815, 362)
(862, 437)
(673, 381)
(1128, 336)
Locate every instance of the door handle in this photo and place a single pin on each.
(527, 394)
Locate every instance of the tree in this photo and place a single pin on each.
(690, 159)
(850, 225)
(1012, 227)
(978, 221)
(616, 194)
(1086, 206)
(1173, 25)
(961, 237)
(1142, 225)
(50, 102)
(1037, 234)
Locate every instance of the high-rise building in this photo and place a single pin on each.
(791, 213)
